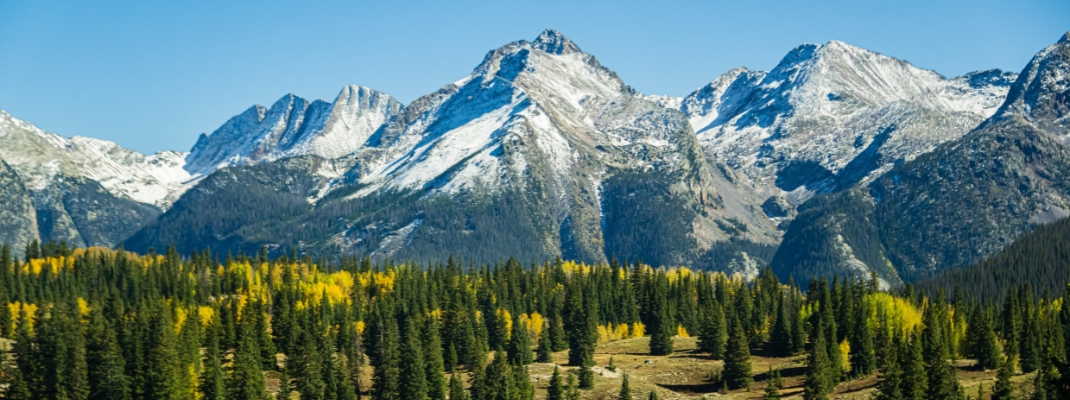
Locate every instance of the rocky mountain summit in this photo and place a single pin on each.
(831, 116)
(953, 206)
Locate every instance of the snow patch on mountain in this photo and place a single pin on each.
(39, 156)
(294, 126)
(830, 116)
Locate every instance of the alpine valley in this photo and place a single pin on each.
(839, 160)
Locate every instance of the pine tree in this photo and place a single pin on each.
(982, 343)
(556, 390)
(519, 351)
(501, 384)
(737, 368)
(107, 369)
(775, 384)
(1003, 389)
(456, 387)
(586, 377)
(942, 381)
(573, 391)
(889, 380)
(413, 368)
(162, 377)
(435, 368)
(625, 391)
(544, 354)
(652, 396)
(662, 326)
(386, 363)
(20, 374)
(524, 389)
(780, 338)
(213, 385)
(863, 357)
(246, 381)
(1040, 385)
(307, 369)
(915, 381)
(714, 335)
(816, 385)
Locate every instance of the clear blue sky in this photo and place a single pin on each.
(152, 75)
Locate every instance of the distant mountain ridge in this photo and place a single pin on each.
(539, 134)
(953, 206)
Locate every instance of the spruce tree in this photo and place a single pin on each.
(519, 351)
(544, 354)
(162, 373)
(586, 377)
(798, 329)
(412, 366)
(501, 383)
(915, 381)
(1004, 389)
(556, 390)
(307, 367)
(662, 327)
(774, 385)
(77, 369)
(737, 368)
(524, 389)
(1032, 352)
(982, 343)
(816, 385)
(714, 335)
(942, 381)
(246, 381)
(780, 338)
(1040, 385)
(573, 390)
(889, 379)
(457, 387)
(107, 369)
(435, 368)
(863, 358)
(387, 373)
(625, 391)
(213, 384)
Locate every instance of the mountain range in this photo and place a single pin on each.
(839, 160)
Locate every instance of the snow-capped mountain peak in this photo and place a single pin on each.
(294, 126)
(39, 157)
(805, 123)
(553, 42)
(1040, 93)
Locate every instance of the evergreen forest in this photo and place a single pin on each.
(108, 324)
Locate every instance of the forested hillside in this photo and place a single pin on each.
(1040, 259)
(103, 324)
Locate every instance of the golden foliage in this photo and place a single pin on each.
(638, 330)
(901, 314)
(505, 316)
(205, 314)
(681, 331)
(845, 358)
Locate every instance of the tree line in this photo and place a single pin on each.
(103, 324)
